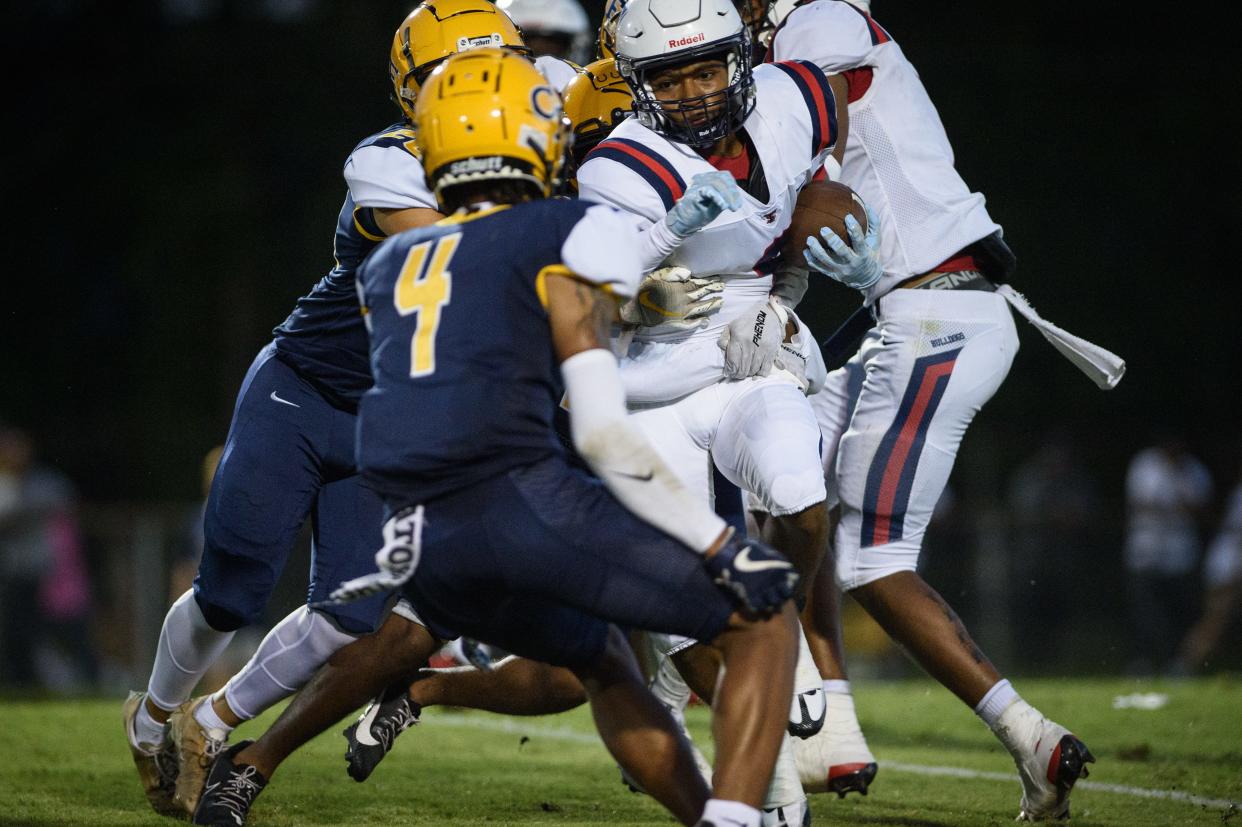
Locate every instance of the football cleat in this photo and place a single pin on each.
(791, 815)
(836, 759)
(372, 736)
(230, 791)
(196, 749)
(156, 763)
(807, 712)
(1050, 760)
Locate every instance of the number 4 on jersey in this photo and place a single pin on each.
(425, 287)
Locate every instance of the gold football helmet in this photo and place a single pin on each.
(596, 100)
(489, 115)
(437, 29)
(607, 45)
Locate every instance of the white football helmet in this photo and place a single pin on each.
(560, 19)
(778, 10)
(653, 35)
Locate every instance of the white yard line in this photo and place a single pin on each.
(497, 723)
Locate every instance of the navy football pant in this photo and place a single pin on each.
(539, 560)
(289, 456)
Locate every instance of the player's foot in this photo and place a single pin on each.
(231, 790)
(372, 737)
(806, 713)
(792, 815)
(1050, 761)
(836, 759)
(196, 748)
(156, 763)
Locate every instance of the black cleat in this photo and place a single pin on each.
(372, 737)
(231, 790)
(851, 778)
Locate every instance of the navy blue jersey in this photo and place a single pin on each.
(466, 380)
(324, 338)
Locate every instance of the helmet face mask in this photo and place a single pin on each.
(657, 36)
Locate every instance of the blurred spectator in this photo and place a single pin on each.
(1222, 576)
(558, 28)
(44, 587)
(1052, 505)
(1167, 492)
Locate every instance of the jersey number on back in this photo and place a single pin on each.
(424, 287)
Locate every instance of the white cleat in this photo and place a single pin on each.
(797, 814)
(836, 759)
(806, 713)
(1050, 760)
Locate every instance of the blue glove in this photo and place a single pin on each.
(754, 574)
(858, 267)
(709, 194)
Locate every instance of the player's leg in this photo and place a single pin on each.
(346, 522)
(922, 391)
(259, 497)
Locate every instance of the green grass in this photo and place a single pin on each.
(65, 763)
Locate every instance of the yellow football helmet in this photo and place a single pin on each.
(489, 115)
(437, 29)
(596, 100)
(607, 45)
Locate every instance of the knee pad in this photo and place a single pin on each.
(232, 590)
(857, 566)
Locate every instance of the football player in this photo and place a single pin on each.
(558, 28)
(290, 455)
(493, 533)
(941, 346)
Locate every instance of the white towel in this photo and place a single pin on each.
(1103, 367)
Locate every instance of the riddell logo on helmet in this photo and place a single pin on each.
(687, 41)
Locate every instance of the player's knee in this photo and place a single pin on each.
(614, 664)
(858, 567)
(232, 591)
(795, 491)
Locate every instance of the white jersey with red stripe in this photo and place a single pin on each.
(793, 128)
(898, 157)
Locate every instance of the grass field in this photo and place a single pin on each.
(65, 763)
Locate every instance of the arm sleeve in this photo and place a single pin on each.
(387, 177)
(608, 182)
(621, 457)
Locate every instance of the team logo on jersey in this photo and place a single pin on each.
(545, 102)
(677, 42)
(465, 44)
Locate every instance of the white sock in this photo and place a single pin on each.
(284, 662)
(836, 687)
(743, 815)
(187, 649)
(205, 714)
(996, 701)
(785, 788)
(147, 730)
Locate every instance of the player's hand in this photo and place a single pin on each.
(756, 575)
(709, 194)
(396, 561)
(855, 265)
(671, 297)
(751, 341)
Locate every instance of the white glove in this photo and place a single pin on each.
(670, 297)
(709, 194)
(752, 340)
(396, 561)
(858, 267)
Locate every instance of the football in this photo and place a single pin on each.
(821, 204)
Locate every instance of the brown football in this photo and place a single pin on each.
(821, 204)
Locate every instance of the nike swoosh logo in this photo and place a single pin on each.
(743, 563)
(647, 477)
(276, 398)
(363, 734)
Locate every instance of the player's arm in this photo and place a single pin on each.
(580, 315)
(393, 221)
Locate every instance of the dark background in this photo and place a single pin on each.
(174, 174)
